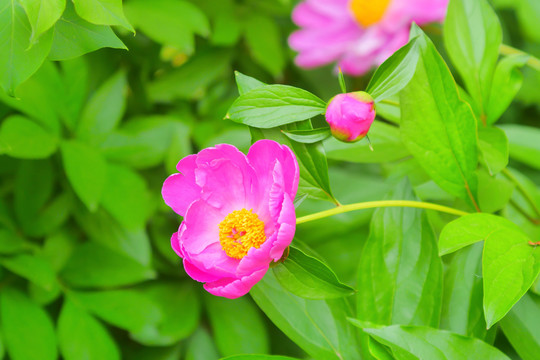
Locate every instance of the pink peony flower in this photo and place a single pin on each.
(358, 34)
(350, 115)
(238, 213)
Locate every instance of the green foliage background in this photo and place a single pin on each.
(89, 130)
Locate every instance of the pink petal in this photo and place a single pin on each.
(187, 166)
(215, 261)
(304, 15)
(226, 177)
(262, 156)
(338, 9)
(225, 187)
(201, 227)
(175, 243)
(276, 243)
(402, 12)
(285, 234)
(198, 274)
(256, 258)
(179, 192)
(232, 288)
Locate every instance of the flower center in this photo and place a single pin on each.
(240, 231)
(368, 12)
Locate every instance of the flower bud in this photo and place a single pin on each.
(350, 115)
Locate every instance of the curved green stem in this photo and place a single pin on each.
(378, 204)
(533, 62)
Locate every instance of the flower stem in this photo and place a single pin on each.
(378, 204)
(533, 62)
(522, 190)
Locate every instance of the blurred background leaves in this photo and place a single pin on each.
(89, 131)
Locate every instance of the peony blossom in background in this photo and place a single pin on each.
(357, 34)
(238, 213)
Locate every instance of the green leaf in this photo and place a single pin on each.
(493, 144)
(102, 228)
(395, 73)
(2, 347)
(400, 255)
(57, 248)
(126, 197)
(127, 309)
(462, 311)
(36, 212)
(227, 27)
(93, 265)
(30, 196)
(86, 171)
(521, 327)
(18, 60)
(142, 142)
(169, 22)
(385, 140)
(471, 229)
(509, 264)
(44, 296)
(246, 83)
(524, 143)
(313, 165)
(34, 268)
(472, 35)
(28, 331)
(309, 278)
(418, 342)
(102, 12)
(41, 97)
(263, 39)
(75, 77)
(80, 336)
(181, 308)
(74, 37)
(379, 351)
(42, 15)
(51, 216)
(201, 347)
(507, 81)
(308, 136)
(24, 139)
(319, 327)
(190, 80)
(389, 110)
(105, 109)
(258, 357)
(274, 105)
(230, 324)
(528, 12)
(536, 286)
(494, 192)
(11, 243)
(341, 79)
(140, 352)
(437, 127)
(180, 146)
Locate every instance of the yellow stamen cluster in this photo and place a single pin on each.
(240, 231)
(368, 12)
